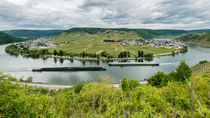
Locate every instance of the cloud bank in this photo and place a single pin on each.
(64, 14)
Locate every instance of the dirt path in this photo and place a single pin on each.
(163, 54)
(99, 51)
(122, 48)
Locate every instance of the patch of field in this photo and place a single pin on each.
(93, 43)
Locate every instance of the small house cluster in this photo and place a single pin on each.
(150, 42)
(39, 43)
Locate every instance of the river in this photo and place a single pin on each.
(21, 67)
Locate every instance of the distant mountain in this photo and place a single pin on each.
(198, 38)
(33, 33)
(144, 33)
(199, 31)
(5, 38)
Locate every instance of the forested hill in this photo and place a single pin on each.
(144, 33)
(33, 33)
(5, 38)
(198, 38)
(199, 31)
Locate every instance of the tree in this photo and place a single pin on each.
(124, 84)
(61, 53)
(129, 54)
(148, 57)
(139, 53)
(156, 79)
(78, 87)
(173, 53)
(103, 54)
(83, 54)
(125, 54)
(55, 52)
(142, 54)
(182, 71)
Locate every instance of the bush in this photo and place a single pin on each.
(202, 62)
(124, 84)
(78, 87)
(29, 79)
(157, 79)
(133, 83)
(128, 84)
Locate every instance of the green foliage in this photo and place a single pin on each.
(183, 71)
(184, 49)
(5, 38)
(141, 54)
(158, 79)
(29, 79)
(145, 33)
(78, 87)
(161, 79)
(55, 52)
(202, 62)
(15, 49)
(60, 53)
(124, 84)
(133, 83)
(104, 54)
(202, 66)
(148, 56)
(26, 101)
(198, 38)
(124, 54)
(128, 84)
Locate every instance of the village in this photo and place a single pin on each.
(48, 43)
(38, 43)
(150, 42)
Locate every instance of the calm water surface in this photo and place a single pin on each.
(21, 67)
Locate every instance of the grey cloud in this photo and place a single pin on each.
(52, 14)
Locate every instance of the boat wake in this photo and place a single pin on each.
(173, 63)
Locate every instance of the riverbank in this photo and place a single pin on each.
(201, 44)
(60, 86)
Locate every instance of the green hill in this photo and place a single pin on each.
(144, 33)
(5, 38)
(199, 31)
(91, 40)
(33, 33)
(196, 38)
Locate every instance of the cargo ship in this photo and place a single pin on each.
(70, 69)
(132, 64)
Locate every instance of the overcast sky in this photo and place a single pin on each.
(65, 14)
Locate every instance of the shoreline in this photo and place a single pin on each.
(102, 58)
(62, 86)
(197, 44)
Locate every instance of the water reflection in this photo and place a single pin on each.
(55, 60)
(61, 60)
